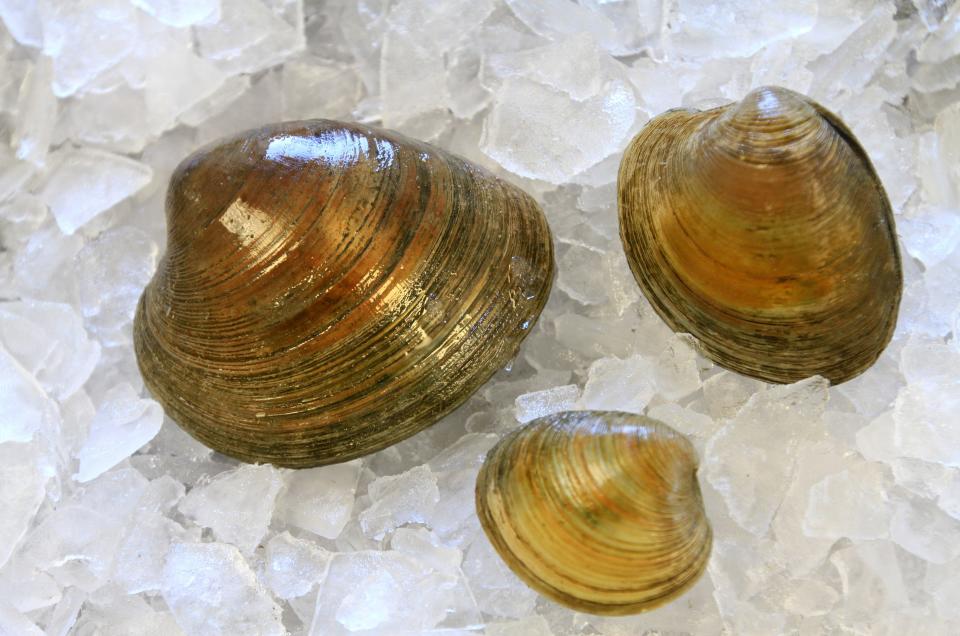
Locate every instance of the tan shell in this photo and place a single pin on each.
(329, 289)
(762, 229)
(598, 510)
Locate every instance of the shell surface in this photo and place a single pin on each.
(598, 510)
(329, 289)
(762, 229)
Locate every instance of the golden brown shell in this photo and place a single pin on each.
(762, 229)
(329, 289)
(598, 510)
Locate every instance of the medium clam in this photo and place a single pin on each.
(762, 229)
(329, 289)
(598, 510)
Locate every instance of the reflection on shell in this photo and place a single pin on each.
(330, 289)
(598, 510)
(762, 229)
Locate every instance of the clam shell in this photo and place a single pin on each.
(329, 289)
(762, 229)
(598, 510)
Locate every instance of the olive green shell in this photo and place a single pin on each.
(329, 289)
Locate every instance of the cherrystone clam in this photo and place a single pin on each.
(762, 228)
(329, 289)
(598, 510)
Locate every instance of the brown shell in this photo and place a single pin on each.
(598, 510)
(762, 229)
(329, 289)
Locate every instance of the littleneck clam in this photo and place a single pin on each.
(598, 510)
(329, 289)
(762, 229)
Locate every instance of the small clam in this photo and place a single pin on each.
(598, 510)
(329, 289)
(762, 229)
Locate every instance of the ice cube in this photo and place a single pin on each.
(578, 277)
(520, 131)
(237, 505)
(85, 38)
(25, 409)
(676, 371)
(23, 21)
(387, 592)
(320, 499)
(497, 589)
(13, 622)
(559, 20)
(36, 113)
(529, 626)
(530, 406)
(112, 612)
(852, 503)
(726, 392)
(921, 528)
(251, 36)
(619, 385)
(751, 459)
(212, 591)
(315, 88)
(112, 270)
(406, 498)
(738, 29)
(124, 423)
(85, 182)
(143, 550)
(181, 13)
(22, 490)
(293, 566)
(49, 341)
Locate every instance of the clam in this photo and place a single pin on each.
(598, 510)
(329, 289)
(762, 229)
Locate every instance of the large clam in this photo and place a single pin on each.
(598, 510)
(329, 289)
(762, 229)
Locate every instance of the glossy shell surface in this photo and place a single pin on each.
(329, 289)
(762, 229)
(600, 511)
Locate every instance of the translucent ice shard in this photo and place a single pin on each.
(85, 182)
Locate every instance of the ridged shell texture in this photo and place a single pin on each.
(600, 511)
(329, 289)
(762, 229)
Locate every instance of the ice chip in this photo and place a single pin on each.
(181, 13)
(25, 409)
(22, 481)
(406, 498)
(85, 182)
(113, 269)
(85, 38)
(520, 133)
(852, 503)
(213, 592)
(750, 460)
(619, 385)
(36, 113)
(48, 339)
(124, 423)
(530, 406)
(320, 499)
(293, 566)
(237, 505)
